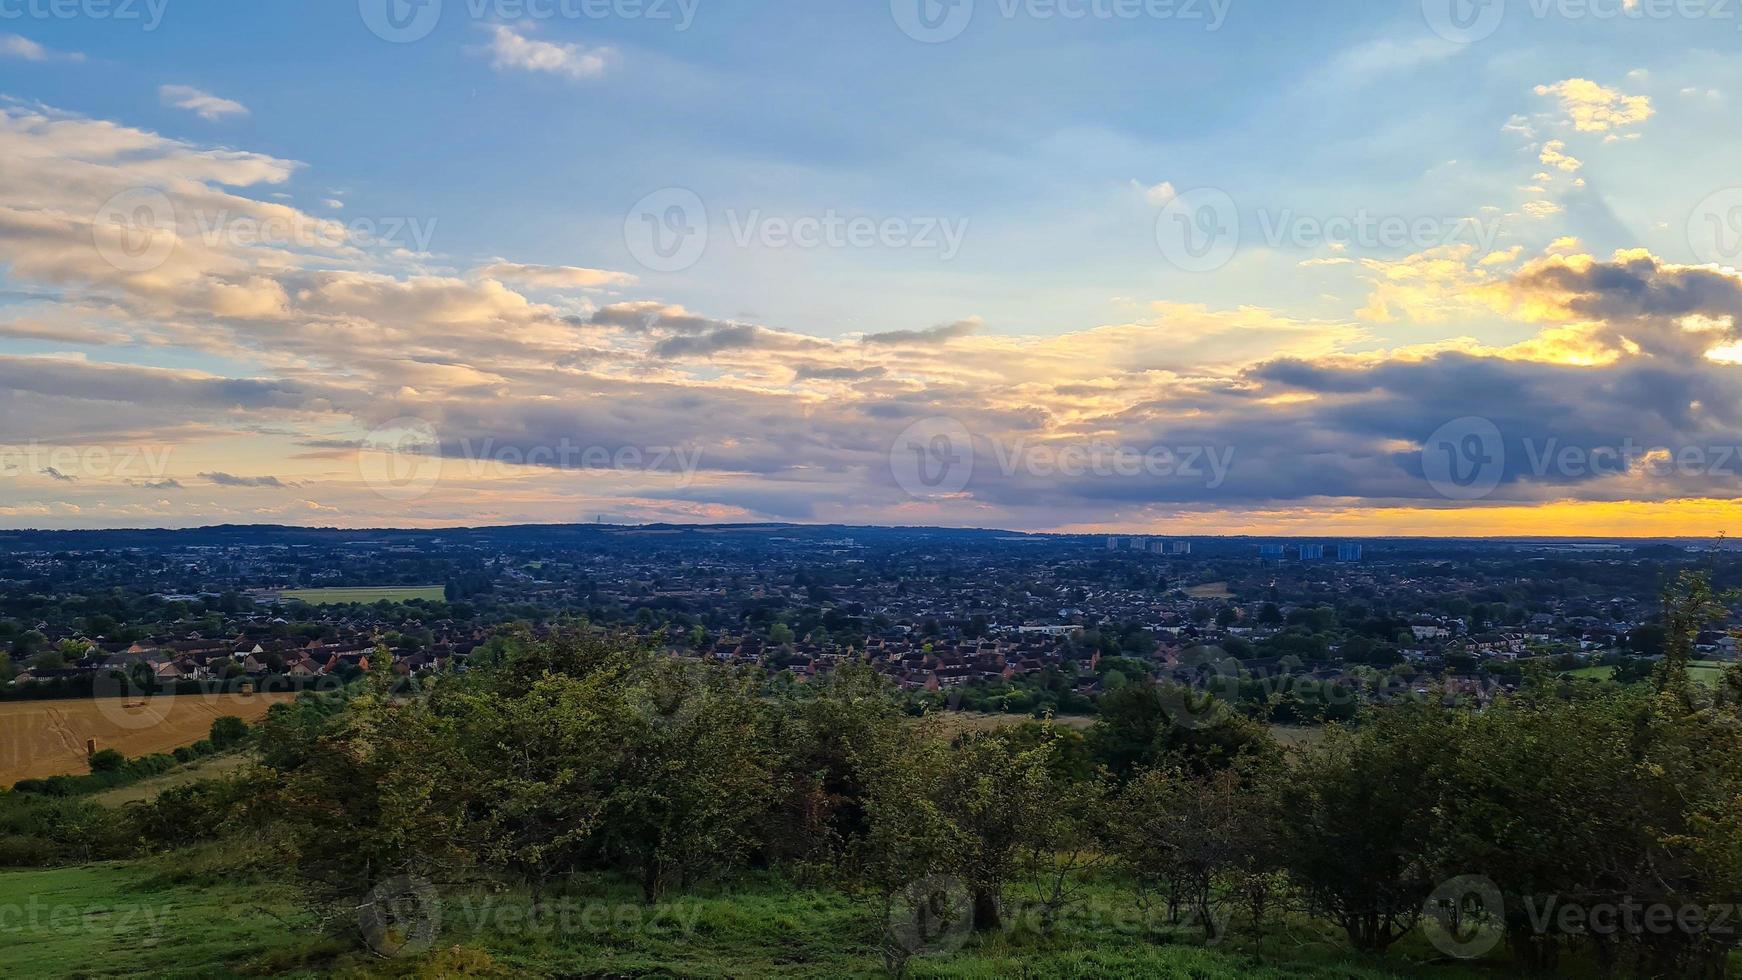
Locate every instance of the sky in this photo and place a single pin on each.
(1433, 267)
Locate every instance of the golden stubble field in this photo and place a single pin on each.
(47, 738)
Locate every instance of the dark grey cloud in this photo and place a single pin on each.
(930, 335)
(819, 372)
(740, 336)
(653, 316)
(231, 480)
(1642, 300)
(55, 474)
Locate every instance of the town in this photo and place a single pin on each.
(1291, 630)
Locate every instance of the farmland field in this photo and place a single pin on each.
(1706, 673)
(47, 738)
(393, 593)
(1209, 590)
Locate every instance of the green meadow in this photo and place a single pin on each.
(391, 593)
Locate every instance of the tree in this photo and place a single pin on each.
(228, 730)
(1209, 843)
(555, 751)
(378, 791)
(1357, 821)
(1689, 606)
(824, 739)
(692, 788)
(967, 810)
(1148, 725)
(107, 760)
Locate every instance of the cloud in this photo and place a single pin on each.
(511, 51)
(230, 480)
(1157, 194)
(207, 106)
(941, 334)
(737, 336)
(818, 372)
(1594, 108)
(55, 474)
(554, 276)
(1554, 155)
(328, 342)
(1386, 56)
(14, 46)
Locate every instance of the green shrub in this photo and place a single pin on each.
(107, 760)
(229, 730)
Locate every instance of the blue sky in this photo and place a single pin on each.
(1031, 129)
(1019, 175)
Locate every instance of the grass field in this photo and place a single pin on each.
(107, 920)
(1703, 672)
(392, 593)
(47, 738)
(1209, 590)
(146, 790)
(195, 914)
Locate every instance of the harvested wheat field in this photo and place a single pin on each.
(47, 738)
